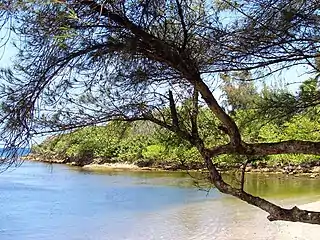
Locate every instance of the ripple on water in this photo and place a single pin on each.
(37, 202)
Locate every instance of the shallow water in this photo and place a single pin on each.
(41, 201)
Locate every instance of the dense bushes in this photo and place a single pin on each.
(146, 144)
(119, 142)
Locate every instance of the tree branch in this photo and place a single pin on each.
(173, 110)
(180, 132)
(233, 130)
(276, 212)
(183, 24)
(261, 149)
(161, 51)
(194, 113)
(243, 173)
(285, 147)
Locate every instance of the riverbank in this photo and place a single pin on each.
(107, 164)
(311, 169)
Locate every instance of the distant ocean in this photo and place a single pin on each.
(4, 152)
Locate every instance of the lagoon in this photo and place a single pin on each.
(49, 202)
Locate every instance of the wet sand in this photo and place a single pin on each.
(300, 231)
(255, 225)
(229, 219)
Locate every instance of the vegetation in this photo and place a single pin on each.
(146, 144)
(84, 63)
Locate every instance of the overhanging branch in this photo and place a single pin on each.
(159, 50)
(263, 149)
(276, 212)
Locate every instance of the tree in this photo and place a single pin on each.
(239, 92)
(89, 62)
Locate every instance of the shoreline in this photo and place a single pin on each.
(247, 222)
(311, 170)
(296, 230)
(252, 223)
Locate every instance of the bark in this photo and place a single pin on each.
(291, 146)
(233, 130)
(173, 110)
(263, 149)
(243, 174)
(183, 25)
(194, 114)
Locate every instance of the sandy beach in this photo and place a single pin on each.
(111, 166)
(300, 231)
(255, 225)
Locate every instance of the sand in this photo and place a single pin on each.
(111, 166)
(255, 225)
(299, 231)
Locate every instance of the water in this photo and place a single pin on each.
(49, 202)
(20, 151)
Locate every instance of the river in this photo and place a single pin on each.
(57, 202)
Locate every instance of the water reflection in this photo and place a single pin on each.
(267, 184)
(58, 202)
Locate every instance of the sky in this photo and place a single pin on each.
(291, 79)
(6, 54)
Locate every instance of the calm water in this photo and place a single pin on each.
(40, 201)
